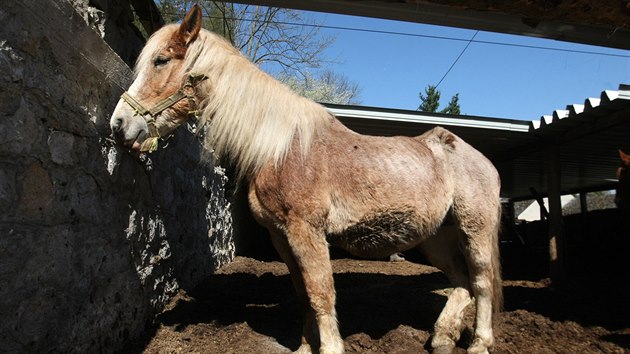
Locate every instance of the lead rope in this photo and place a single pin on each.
(192, 102)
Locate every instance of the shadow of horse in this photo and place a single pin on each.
(373, 304)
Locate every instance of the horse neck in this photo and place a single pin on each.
(254, 119)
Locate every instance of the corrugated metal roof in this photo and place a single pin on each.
(587, 136)
(609, 101)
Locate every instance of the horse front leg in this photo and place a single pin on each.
(308, 328)
(311, 256)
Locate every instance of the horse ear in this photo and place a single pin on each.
(624, 157)
(191, 25)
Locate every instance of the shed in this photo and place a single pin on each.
(586, 137)
(568, 151)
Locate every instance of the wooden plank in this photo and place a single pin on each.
(556, 230)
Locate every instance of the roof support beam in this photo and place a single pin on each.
(464, 17)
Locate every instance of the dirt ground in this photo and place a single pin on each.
(385, 307)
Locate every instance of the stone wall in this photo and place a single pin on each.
(113, 21)
(93, 243)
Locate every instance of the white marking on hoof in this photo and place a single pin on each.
(477, 347)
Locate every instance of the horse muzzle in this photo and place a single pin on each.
(127, 131)
(148, 142)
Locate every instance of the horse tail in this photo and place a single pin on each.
(497, 282)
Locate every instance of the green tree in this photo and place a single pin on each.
(430, 101)
(453, 106)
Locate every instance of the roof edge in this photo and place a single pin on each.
(442, 119)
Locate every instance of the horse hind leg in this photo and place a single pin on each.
(443, 252)
(311, 271)
(480, 249)
(481, 282)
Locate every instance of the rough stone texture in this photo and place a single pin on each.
(92, 242)
(113, 21)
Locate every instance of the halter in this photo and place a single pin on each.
(150, 114)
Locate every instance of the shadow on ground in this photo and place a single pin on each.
(367, 303)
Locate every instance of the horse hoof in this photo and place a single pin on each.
(475, 350)
(477, 347)
(397, 257)
(304, 349)
(443, 349)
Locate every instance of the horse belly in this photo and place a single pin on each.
(381, 234)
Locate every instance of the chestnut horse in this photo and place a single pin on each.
(312, 182)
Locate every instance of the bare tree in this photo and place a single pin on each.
(279, 40)
(329, 87)
(283, 42)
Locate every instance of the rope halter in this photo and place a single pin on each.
(151, 114)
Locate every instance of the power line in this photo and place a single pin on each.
(457, 59)
(458, 39)
(417, 35)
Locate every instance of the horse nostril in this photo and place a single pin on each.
(117, 124)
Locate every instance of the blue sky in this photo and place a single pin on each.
(492, 80)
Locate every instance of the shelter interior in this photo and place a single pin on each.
(572, 150)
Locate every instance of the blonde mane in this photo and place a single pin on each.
(251, 118)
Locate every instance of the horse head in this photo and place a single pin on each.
(163, 95)
(622, 196)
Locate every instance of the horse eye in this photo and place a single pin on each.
(160, 61)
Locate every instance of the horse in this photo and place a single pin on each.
(622, 194)
(313, 183)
